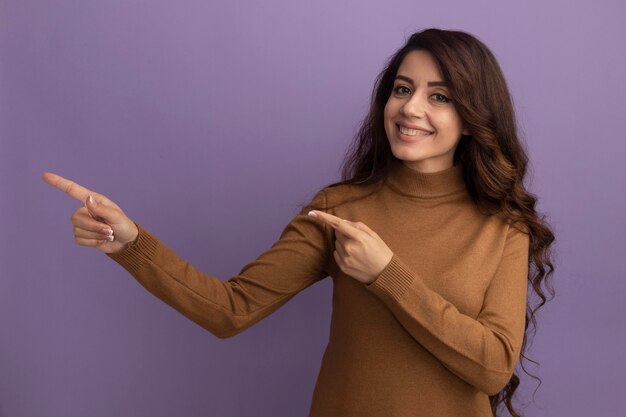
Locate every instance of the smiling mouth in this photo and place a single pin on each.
(413, 132)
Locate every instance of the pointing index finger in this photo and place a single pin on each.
(333, 221)
(71, 188)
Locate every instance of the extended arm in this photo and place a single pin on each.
(297, 260)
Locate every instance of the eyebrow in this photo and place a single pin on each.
(430, 83)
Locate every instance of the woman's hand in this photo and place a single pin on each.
(360, 252)
(100, 222)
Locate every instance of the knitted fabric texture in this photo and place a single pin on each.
(435, 334)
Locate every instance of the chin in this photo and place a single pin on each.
(406, 155)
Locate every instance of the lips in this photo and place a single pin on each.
(414, 131)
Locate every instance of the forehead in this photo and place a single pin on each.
(420, 66)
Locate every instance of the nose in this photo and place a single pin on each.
(414, 107)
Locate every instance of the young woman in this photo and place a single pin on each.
(431, 240)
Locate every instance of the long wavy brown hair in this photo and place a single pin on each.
(494, 159)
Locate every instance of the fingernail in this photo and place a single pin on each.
(312, 213)
(107, 231)
(92, 201)
(111, 238)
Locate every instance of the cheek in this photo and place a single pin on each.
(391, 110)
(455, 119)
(449, 123)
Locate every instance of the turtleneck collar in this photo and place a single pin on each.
(412, 183)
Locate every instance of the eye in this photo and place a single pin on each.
(401, 90)
(440, 98)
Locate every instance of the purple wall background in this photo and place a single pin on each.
(208, 122)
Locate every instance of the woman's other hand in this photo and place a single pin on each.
(99, 222)
(359, 251)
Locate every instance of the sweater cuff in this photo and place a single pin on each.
(135, 254)
(393, 281)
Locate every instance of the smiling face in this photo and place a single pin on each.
(422, 124)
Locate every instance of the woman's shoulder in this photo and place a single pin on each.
(342, 194)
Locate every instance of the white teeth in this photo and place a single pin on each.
(413, 132)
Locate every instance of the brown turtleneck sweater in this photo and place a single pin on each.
(438, 331)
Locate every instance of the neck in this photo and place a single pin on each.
(412, 183)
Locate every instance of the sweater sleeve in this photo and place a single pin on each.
(298, 259)
(482, 351)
